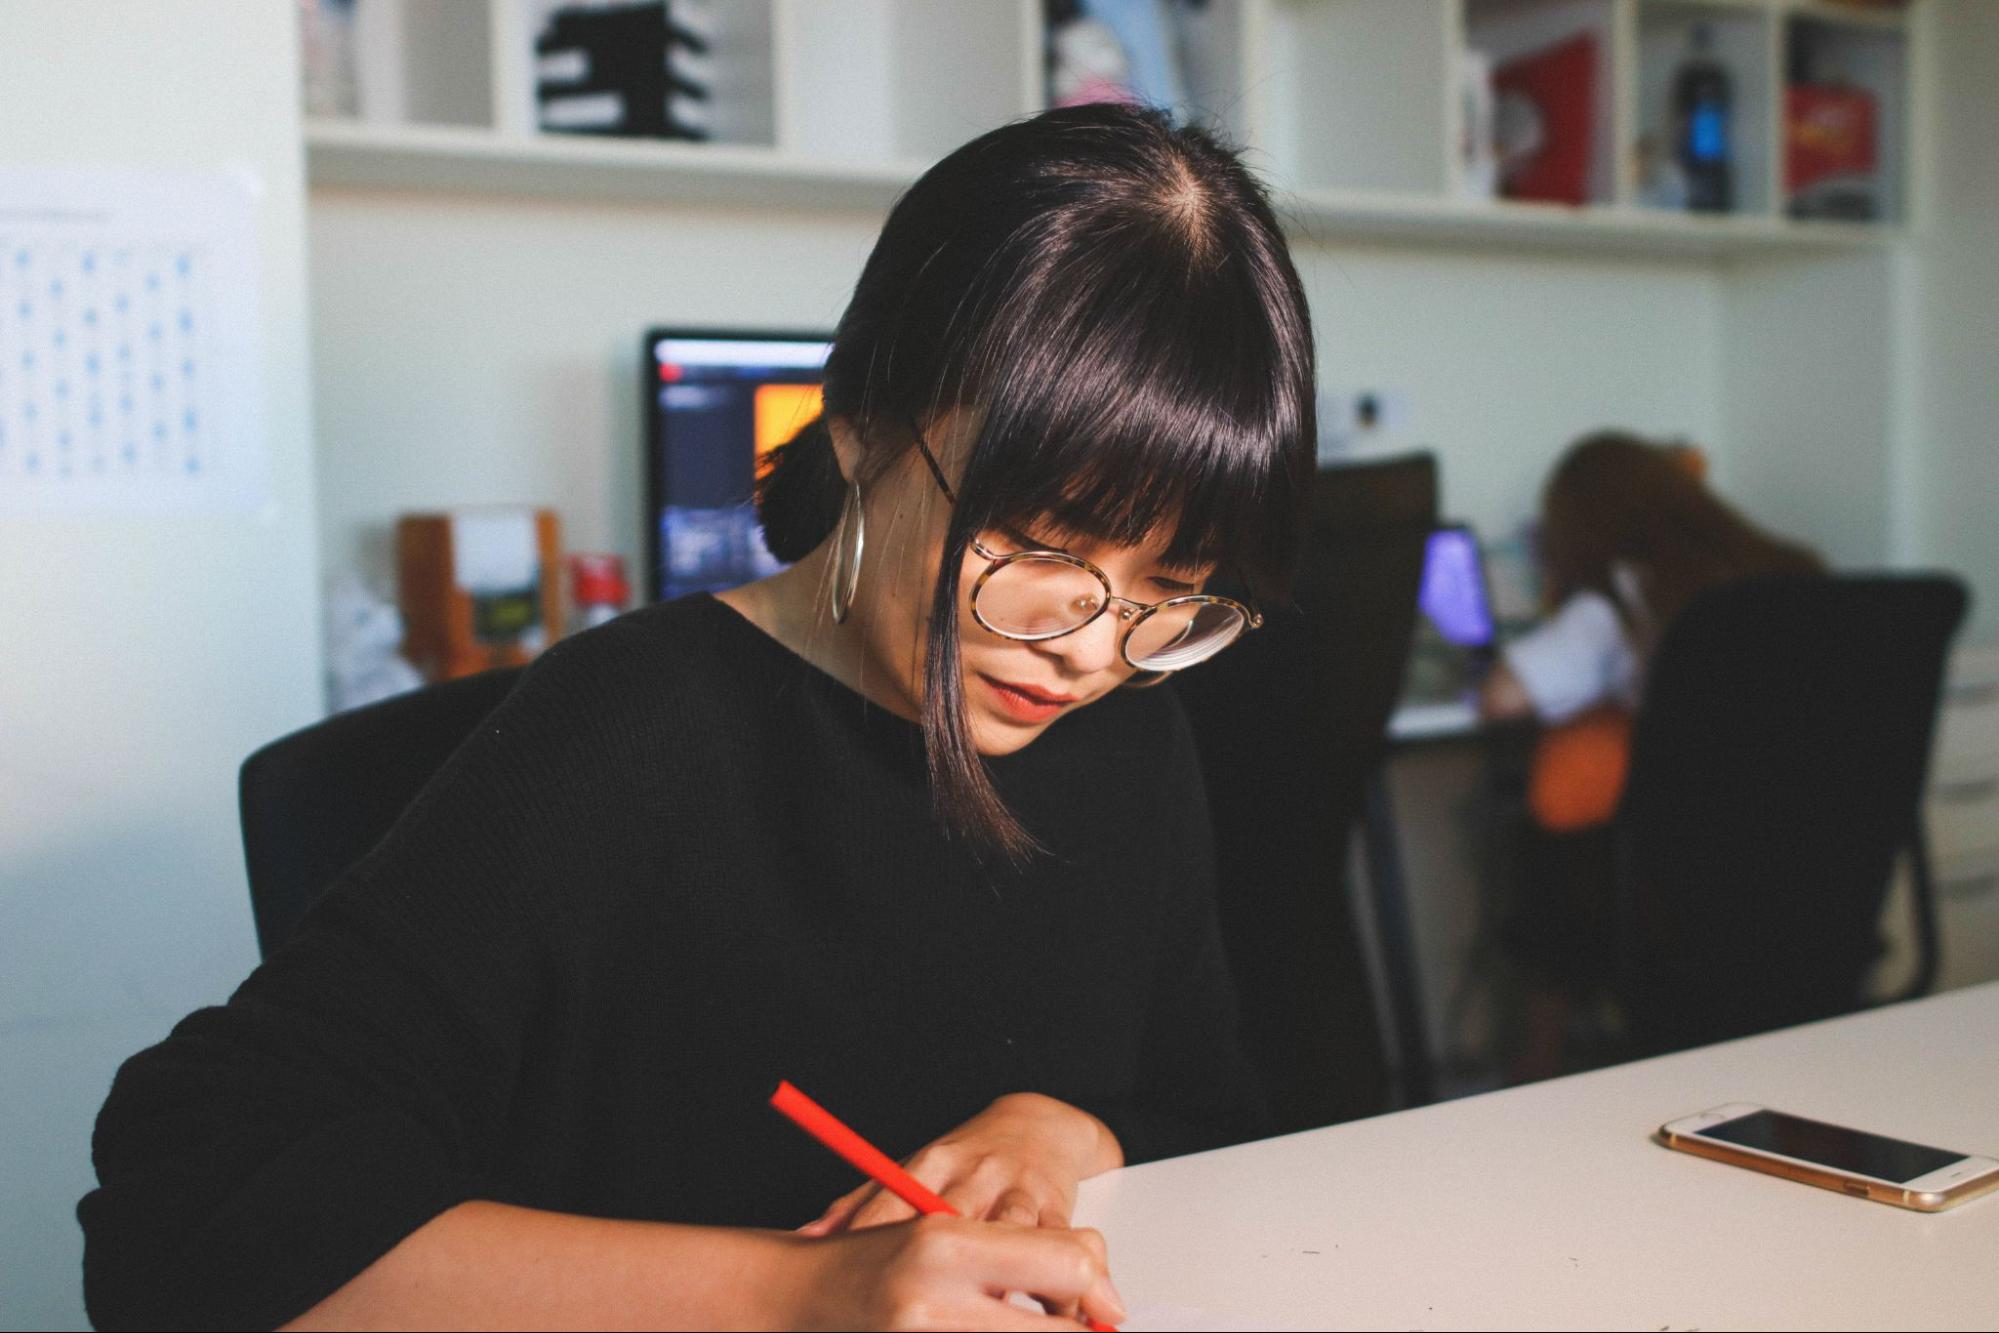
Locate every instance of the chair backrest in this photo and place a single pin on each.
(1777, 772)
(318, 800)
(1291, 723)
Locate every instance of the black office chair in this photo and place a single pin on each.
(1777, 774)
(316, 801)
(1291, 724)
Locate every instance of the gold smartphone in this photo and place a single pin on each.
(1833, 1157)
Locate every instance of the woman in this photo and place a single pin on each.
(1629, 534)
(884, 824)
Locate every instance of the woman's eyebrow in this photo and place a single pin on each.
(1193, 571)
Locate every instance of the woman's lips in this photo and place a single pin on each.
(1035, 692)
(1026, 703)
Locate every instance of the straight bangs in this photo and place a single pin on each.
(1126, 392)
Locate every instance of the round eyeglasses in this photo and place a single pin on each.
(1039, 595)
(1036, 595)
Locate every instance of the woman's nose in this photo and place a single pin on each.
(1095, 646)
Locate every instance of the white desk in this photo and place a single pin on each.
(1422, 722)
(1549, 1206)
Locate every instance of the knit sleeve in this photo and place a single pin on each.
(358, 1083)
(1196, 1089)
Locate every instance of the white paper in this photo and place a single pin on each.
(128, 366)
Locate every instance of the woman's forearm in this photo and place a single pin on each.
(490, 1265)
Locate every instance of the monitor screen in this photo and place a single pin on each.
(717, 404)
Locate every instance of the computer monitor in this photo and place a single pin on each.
(715, 403)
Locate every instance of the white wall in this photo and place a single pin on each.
(468, 350)
(1810, 397)
(1506, 357)
(1952, 469)
(473, 349)
(145, 656)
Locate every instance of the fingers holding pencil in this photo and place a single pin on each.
(987, 1189)
(1020, 1160)
(1077, 1286)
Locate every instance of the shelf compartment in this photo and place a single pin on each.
(420, 62)
(1508, 31)
(1204, 42)
(1835, 52)
(740, 64)
(1744, 42)
(1355, 94)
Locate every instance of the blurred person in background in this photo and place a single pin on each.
(1629, 533)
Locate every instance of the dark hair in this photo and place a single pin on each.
(1616, 497)
(1114, 294)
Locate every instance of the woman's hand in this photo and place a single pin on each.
(948, 1273)
(1501, 696)
(1017, 1161)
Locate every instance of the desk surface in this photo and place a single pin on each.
(1433, 721)
(1549, 1206)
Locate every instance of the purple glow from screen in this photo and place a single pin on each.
(1453, 594)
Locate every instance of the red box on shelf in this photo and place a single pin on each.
(1549, 97)
(1829, 135)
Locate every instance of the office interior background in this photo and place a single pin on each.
(449, 303)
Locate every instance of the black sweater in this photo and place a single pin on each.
(677, 865)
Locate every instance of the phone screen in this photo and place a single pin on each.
(1832, 1145)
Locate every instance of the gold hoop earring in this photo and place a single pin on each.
(847, 563)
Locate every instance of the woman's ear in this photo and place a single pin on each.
(847, 446)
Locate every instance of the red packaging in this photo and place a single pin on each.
(1560, 83)
(1829, 134)
(599, 580)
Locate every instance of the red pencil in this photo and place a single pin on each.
(864, 1157)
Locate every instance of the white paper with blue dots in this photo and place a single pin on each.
(127, 333)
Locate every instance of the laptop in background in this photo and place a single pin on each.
(1455, 597)
(1457, 637)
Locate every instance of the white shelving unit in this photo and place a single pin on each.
(1348, 106)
